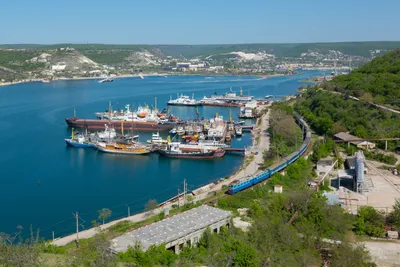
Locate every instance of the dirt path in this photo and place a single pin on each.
(384, 253)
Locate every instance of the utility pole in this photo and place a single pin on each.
(179, 191)
(184, 191)
(129, 210)
(76, 215)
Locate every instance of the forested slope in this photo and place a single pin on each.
(377, 81)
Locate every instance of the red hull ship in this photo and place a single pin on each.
(137, 125)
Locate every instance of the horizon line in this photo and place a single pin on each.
(255, 43)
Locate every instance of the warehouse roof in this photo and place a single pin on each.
(170, 229)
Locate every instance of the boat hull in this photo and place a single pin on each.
(184, 105)
(80, 145)
(122, 152)
(208, 155)
(136, 125)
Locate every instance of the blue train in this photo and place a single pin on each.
(241, 185)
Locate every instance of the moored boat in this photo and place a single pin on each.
(184, 100)
(238, 131)
(137, 125)
(126, 149)
(80, 140)
(173, 150)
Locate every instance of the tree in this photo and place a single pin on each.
(96, 252)
(369, 222)
(366, 98)
(104, 214)
(151, 205)
(349, 255)
(15, 252)
(394, 216)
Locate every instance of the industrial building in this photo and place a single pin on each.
(354, 140)
(175, 232)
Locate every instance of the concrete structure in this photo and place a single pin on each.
(332, 198)
(354, 140)
(324, 166)
(181, 230)
(359, 171)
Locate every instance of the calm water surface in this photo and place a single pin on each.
(43, 181)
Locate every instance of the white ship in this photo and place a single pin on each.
(184, 100)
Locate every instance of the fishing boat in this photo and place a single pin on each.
(238, 131)
(183, 100)
(125, 149)
(80, 140)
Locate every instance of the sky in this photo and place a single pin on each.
(197, 22)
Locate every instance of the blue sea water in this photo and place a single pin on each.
(42, 181)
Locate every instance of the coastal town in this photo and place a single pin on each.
(65, 63)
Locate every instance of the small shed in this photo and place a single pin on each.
(278, 188)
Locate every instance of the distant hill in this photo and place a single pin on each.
(280, 50)
(377, 81)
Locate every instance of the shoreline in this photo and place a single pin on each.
(124, 76)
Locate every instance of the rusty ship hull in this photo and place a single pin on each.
(136, 125)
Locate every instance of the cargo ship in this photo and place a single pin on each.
(136, 125)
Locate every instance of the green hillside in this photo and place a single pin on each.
(280, 50)
(377, 81)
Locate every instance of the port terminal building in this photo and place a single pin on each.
(184, 229)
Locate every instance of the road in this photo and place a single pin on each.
(375, 105)
(249, 170)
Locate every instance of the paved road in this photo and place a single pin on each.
(249, 170)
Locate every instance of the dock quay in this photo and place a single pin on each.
(225, 104)
(235, 150)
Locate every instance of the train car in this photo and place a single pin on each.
(277, 167)
(292, 157)
(261, 177)
(234, 188)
